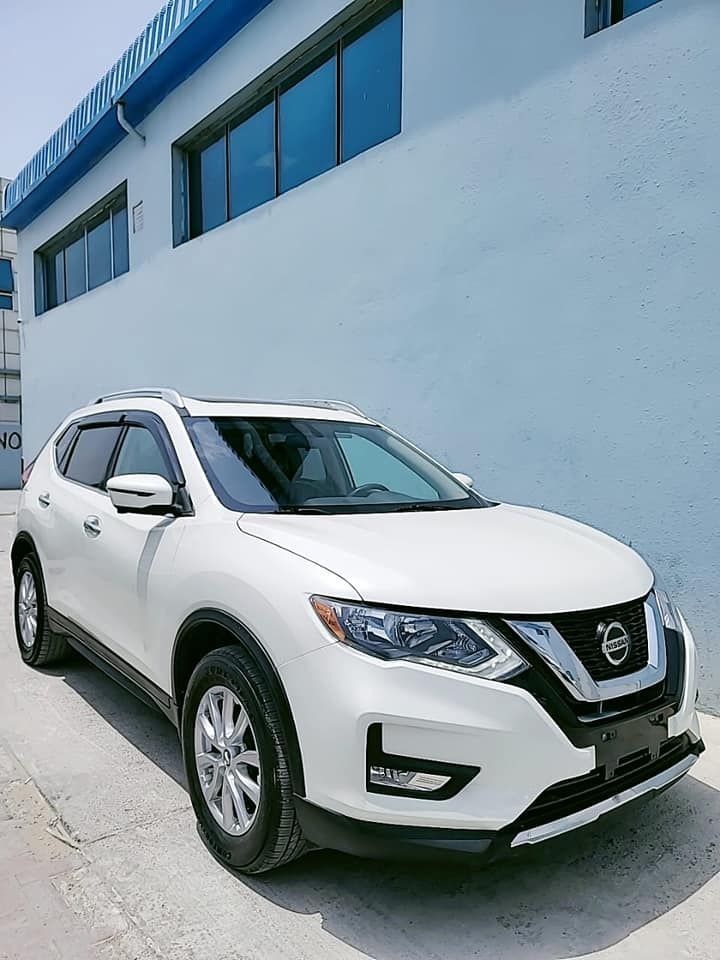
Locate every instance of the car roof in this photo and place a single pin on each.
(147, 398)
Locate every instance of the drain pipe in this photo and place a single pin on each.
(125, 123)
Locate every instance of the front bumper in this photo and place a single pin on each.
(534, 778)
(385, 841)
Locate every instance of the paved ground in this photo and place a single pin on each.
(99, 858)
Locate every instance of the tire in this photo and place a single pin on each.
(267, 835)
(39, 647)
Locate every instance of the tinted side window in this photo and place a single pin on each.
(62, 446)
(91, 455)
(140, 453)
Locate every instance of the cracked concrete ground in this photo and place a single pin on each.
(100, 860)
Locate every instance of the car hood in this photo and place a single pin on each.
(501, 559)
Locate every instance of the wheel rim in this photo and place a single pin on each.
(227, 760)
(27, 609)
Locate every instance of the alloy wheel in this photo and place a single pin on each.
(227, 760)
(27, 609)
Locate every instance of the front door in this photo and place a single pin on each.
(126, 554)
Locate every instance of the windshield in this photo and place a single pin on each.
(270, 465)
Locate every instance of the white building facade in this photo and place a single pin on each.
(10, 429)
(493, 225)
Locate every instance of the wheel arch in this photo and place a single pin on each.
(23, 545)
(209, 629)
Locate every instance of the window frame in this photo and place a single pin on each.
(125, 419)
(46, 255)
(327, 43)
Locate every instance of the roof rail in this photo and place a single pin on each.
(159, 393)
(324, 404)
(330, 405)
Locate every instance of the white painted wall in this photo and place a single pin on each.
(525, 280)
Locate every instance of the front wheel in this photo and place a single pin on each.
(39, 646)
(236, 761)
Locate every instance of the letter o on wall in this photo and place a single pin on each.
(14, 441)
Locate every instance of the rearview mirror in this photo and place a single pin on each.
(464, 479)
(140, 493)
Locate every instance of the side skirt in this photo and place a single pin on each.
(114, 666)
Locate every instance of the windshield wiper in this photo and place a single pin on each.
(424, 505)
(303, 509)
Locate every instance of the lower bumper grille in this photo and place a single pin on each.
(570, 796)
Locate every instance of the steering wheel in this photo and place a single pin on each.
(365, 488)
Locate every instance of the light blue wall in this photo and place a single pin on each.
(525, 281)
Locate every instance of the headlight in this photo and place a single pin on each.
(469, 646)
(668, 611)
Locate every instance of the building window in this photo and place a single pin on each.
(343, 97)
(251, 159)
(604, 13)
(90, 252)
(6, 285)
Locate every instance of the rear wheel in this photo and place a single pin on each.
(236, 761)
(39, 646)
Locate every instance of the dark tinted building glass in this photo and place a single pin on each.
(372, 86)
(121, 253)
(91, 455)
(56, 279)
(6, 301)
(6, 277)
(210, 177)
(634, 6)
(252, 161)
(75, 279)
(99, 253)
(308, 137)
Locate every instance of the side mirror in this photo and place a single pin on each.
(464, 479)
(140, 493)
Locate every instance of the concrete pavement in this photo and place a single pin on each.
(99, 857)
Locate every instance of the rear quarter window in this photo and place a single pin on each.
(62, 446)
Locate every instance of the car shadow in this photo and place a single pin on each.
(566, 898)
(144, 727)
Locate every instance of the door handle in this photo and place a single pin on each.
(44, 499)
(91, 526)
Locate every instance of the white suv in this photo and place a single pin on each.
(359, 650)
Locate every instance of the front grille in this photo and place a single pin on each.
(579, 631)
(569, 796)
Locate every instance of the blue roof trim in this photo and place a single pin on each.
(183, 36)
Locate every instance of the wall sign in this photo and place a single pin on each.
(10, 454)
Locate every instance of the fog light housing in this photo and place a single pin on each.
(415, 777)
(407, 779)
